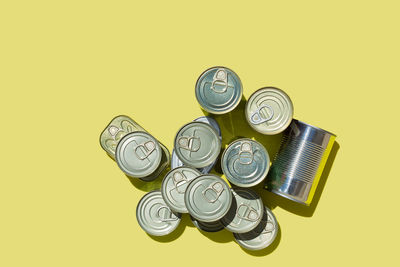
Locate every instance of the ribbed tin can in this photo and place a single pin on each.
(298, 165)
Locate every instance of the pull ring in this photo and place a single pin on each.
(256, 118)
(144, 150)
(215, 187)
(247, 213)
(179, 179)
(191, 143)
(246, 154)
(166, 216)
(220, 80)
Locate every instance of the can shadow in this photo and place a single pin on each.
(185, 221)
(223, 236)
(300, 209)
(268, 250)
(146, 186)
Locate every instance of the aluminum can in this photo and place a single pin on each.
(269, 110)
(174, 185)
(218, 90)
(117, 129)
(208, 198)
(245, 162)
(262, 236)
(197, 144)
(154, 216)
(299, 163)
(245, 213)
(176, 162)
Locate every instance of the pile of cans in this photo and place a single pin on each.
(189, 187)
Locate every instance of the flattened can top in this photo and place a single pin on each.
(115, 130)
(218, 90)
(138, 154)
(208, 198)
(197, 144)
(245, 213)
(269, 110)
(174, 185)
(262, 236)
(210, 121)
(245, 162)
(154, 216)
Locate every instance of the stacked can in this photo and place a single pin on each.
(137, 153)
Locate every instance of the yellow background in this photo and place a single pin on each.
(68, 67)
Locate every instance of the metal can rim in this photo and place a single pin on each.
(232, 107)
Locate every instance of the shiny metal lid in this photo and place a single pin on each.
(208, 198)
(245, 213)
(218, 90)
(197, 144)
(269, 110)
(262, 236)
(174, 185)
(176, 162)
(138, 154)
(207, 226)
(115, 130)
(245, 162)
(154, 216)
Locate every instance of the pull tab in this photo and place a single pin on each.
(246, 155)
(247, 213)
(114, 130)
(179, 178)
(215, 187)
(144, 150)
(256, 118)
(220, 81)
(167, 215)
(269, 227)
(191, 143)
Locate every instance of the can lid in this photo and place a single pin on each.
(245, 213)
(218, 90)
(197, 144)
(154, 216)
(115, 130)
(245, 162)
(269, 110)
(174, 185)
(138, 154)
(262, 236)
(208, 198)
(207, 226)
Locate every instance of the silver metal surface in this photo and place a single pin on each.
(300, 161)
(218, 90)
(269, 110)
(174, 185)
(245, 213)
(176, 162)
(245, 162)
(197, 144)
(154, 216)
(262, 236)
(138, 154)
(208, 198)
